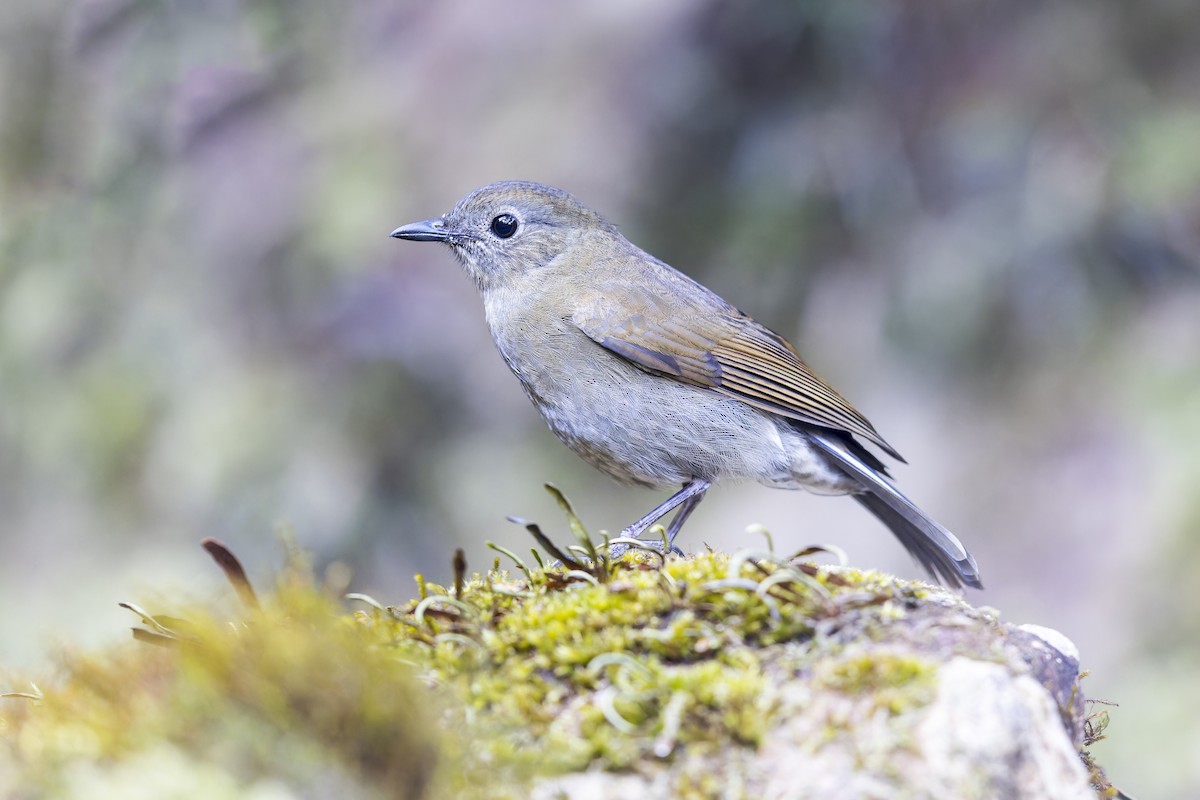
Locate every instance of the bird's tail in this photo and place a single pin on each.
(935, 548)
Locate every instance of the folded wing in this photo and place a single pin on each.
(720, 349)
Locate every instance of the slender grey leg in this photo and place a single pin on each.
(692, 490)
(682, 515)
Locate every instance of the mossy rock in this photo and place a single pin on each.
(714, 675)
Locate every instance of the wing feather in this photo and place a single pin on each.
(725, 351)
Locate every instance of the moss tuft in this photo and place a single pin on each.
(294, 693)
(676, 669)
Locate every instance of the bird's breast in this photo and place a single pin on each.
(637, 427)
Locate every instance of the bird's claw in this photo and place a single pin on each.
(618, 548)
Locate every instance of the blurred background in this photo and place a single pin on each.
(980, 221)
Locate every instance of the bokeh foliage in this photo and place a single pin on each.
(981, 220)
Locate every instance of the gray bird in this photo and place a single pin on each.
(653, 378)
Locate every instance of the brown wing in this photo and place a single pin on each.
(727, 352)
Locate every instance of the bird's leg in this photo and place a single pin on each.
(689, 496)
(682, 515)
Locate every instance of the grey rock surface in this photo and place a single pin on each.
(995, 712)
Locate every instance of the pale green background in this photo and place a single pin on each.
(980, 221)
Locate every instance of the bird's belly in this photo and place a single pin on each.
(649, 440)
(653, 431)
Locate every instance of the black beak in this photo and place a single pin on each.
(431, 230)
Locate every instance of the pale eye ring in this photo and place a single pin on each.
(504, 226)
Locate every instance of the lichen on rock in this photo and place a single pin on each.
(800, 680)
(712, 675)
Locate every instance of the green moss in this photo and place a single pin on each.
(898, 682)
(646, 661)
(294, 693)
(680, 668)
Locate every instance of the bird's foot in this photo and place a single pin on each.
(620, 546)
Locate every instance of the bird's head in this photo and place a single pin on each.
(504, 230)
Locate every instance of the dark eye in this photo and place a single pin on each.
(504, 225)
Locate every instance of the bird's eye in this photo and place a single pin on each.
(504, 225)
